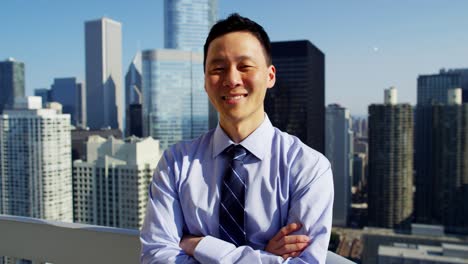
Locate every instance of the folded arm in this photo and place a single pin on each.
(162, 229)
(311, 205)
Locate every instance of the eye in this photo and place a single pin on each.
(216, 69)
(246, 67)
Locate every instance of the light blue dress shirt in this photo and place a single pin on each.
(287, 182)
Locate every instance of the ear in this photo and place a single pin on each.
(271, 76)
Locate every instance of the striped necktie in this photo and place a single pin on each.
(231, 213)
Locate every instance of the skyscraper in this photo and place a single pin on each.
(135, 118)
(187, 23)
(111, 187)
(432, 89)
(45, 94)
(133, 98)
(175, 105)
(186, 26)
(296, 104)
(359, 170)
(71, 95)
(339, 150)
(390, 181)
(35, 162)
(11, 82)
(450, 164)
(103, 48)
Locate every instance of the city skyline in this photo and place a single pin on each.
(368, 46)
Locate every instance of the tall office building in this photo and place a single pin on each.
(110, 188)
(103, 48)
(450, 164)
(35, 162)
(390, 181)
(175, 105)
(135, 120)
(432, 89)
(186, 26)
(296, 104)
(187, 23)
(359, 170)
(11, 82)
(133, 98)
(71, 95)
(360, 127)
(339, 150)
(45, 95)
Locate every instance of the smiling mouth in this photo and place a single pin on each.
(233, 97)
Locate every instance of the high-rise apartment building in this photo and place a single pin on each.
(339, 151)
(450, 164)
(11, 82)
(432, 89)
(71, 95)
(175, 105)
(134, 98)
(296, 104)
(35, 162)
(110, 188)
(80, 137)
(390, 181)
(103, 48)
(187, 23)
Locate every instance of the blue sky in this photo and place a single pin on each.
(369, 45)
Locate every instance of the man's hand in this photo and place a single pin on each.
(285, 245)
(189, 243)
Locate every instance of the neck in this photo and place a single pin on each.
(238, 131)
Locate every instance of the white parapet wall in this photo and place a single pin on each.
(57, 242)
(70, 243)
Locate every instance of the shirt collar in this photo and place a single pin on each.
(256, 143)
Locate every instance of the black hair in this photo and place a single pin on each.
(234, 23)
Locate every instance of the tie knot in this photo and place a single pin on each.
(237, 152)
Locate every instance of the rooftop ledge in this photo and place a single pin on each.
(59, 242)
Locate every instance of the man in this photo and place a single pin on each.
(270, 204)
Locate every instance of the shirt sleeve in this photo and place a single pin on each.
(311, 205)
(163, 225)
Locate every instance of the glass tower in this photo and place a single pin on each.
(187, 23)
(339, 150)
(11, 82)
(297, 102)
(133, 98)
(175, 105)
(69, 93)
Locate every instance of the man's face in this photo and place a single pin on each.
(237, 77)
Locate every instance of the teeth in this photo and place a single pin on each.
(237, 97)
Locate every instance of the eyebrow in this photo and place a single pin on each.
(221, 60)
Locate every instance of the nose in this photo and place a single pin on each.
(232, 78)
